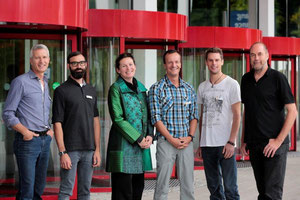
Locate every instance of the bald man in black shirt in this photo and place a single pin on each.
(266, 93)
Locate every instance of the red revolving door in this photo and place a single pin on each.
(57, 24)
(284, 54)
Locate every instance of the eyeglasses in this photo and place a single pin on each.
(81, 63)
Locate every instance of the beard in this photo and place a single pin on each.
(260, 67)
(78, 73)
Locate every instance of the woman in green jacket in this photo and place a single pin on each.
(131, 134)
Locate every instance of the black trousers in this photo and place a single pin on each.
(127, 186)
(269, 172)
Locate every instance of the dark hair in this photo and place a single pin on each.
(265, 47)
(75, 53)
(170, 52)
(121, 56)
(214, 50)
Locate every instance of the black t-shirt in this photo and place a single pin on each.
(264, 105)
(75, 107)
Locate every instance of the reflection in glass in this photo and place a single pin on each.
(280, 18)
(208, 13)
(239, 13)
(294, 18)
(101, 54)
(160, 65)
(283, 66)
(287, 18)
(167, 5)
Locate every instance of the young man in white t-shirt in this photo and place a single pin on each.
(220, 102)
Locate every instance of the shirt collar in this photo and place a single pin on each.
(170, 84)
(70, 80)
(267, 73)
(34, 76)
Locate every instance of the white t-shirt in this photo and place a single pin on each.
(217, 113)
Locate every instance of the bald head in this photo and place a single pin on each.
(259, 43)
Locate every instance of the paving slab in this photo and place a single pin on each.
(246, 184)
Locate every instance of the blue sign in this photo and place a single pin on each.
(239, 19)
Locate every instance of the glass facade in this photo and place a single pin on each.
(238, 13)
(280, 18)
(208, 13)
(101, 55)
(167, 5)
(106, 4)
(160, 65)
(287, 18)
(283, 66)
(293, 18)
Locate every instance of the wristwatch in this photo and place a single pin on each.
(192, 137)
(62, 153)
(231, 143)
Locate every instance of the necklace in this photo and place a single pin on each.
(212, 84)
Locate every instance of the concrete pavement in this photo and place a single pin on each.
(246, 183)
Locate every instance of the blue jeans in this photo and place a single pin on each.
(82, 163)
(32, 158)
(217, 167)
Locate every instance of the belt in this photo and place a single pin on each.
(41, 133)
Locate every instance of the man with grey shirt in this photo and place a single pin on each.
(26, 110)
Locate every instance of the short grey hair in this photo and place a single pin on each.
(39, 46)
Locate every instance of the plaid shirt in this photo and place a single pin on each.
(175, 107)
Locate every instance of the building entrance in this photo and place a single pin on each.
(15, 56)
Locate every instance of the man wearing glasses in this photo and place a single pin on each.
(77, 129)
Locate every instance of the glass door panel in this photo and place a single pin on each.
(101, 55)
(15, 55)
(284, 66)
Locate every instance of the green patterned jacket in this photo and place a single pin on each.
(130, 118)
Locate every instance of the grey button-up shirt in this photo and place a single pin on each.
(27, 104)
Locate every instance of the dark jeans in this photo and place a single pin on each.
(269, 172)
(127, 186)
(32, 159)
(216, 168)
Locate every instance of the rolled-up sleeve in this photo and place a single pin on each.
(194, 107)
(12, 102)
(154, 105)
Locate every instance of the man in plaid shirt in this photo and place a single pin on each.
(174, 113)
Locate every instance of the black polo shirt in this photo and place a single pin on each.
(264, 105)
(75, 107)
